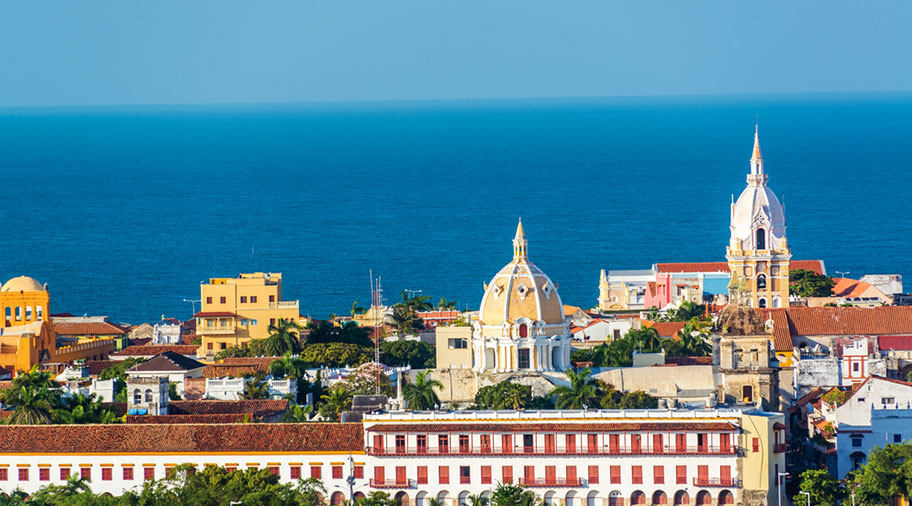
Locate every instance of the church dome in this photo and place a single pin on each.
(757, 208)
(23, 284)
(521, 292)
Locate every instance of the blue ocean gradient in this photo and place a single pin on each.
(124, 211)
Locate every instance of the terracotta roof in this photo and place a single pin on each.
(212, 314)
(437, 314)
(897, 343)
(665, 329)
(168, 361)
(235, 370)
(845, 287)
(258, 407)
(810, 265)
(87, 329)
(569, 310)
(155, 349)
(182, 438)
(689, 360)
(96, 366)
(843, 321)
(263, 361)
(547, 426)
(214, 418)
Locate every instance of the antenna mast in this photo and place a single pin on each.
(377, 303)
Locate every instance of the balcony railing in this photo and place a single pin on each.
(716, 482)
(283, 304)
(551, 482)
(548, 450)
(214, 331)
(397, 484)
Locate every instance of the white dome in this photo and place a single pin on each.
(757, 208)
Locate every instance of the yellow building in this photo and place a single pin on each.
(236, 310)
(26, 338)
(758, 253)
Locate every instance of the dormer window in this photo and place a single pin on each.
(761, 238)
(522, 290)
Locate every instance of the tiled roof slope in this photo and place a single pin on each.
(88, 329)
(896, 343)
(258, 407)
(155, 349)
(182, 438)
(809, 265)
(172, 419)
(836, 321)
(665, 329)
(168, 361)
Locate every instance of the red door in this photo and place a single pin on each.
(680, 443)
(657, 443)
(400, 475)
(550, 474)
(378, 443)
(549, 444)
(592, 443)
(702, 474)
(613, 443)
(725, 443)
(635, 444)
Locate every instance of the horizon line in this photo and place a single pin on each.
(344, 102)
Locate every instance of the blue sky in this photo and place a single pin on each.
(128, 52)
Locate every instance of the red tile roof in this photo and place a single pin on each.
(234, 370)
(155, 349)
(845, 287)
(212, 314)
(665, 329)
(897, 343)
(479, 426)
(181, 438)
(215, 418)
(810, 265)
(88, 329)
(260, 408)
(845, 321)
(96, 366)
(688, 360)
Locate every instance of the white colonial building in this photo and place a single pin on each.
(521, 323)
(572, 458)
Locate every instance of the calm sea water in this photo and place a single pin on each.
(123, 211)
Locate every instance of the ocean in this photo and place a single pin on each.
(123, 211)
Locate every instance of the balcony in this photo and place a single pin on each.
(716, 482)
(780, 448)
(284, 304)
(548, 450)
(215, 331)
(394, 484)
(551, 482)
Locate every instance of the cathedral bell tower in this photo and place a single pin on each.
(758, 253)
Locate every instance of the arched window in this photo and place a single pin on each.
(148, 395)
(28, 313)
(9, 313)
(523, 330)
(761, 302)
(40, 312)
(638, 498)
(703, 498)
(681, 497)
(137, 397)
(659, 497)
(726, 497)
(18, 313)
(761, 282)
(761, 238)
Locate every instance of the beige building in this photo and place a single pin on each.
(453, 351)
(236, 310)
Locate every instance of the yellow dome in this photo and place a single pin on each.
(521, 291)
(23, 284)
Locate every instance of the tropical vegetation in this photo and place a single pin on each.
(509, 395)
(417, 354)
(36, 399)
(805, 283)
(419, 394)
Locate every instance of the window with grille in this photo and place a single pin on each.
(107, 473)
(422, 475)
(148, 473)
(444, 475)
(4, 474)
(85, 473)
(127, 473)
(507, 474)
(295, 472)
(615, 474)
(465, 475)
(658, 475)
(23, 474)
(316, 472)
(593, 474)
(44, 474)
(337, 472)
(637, 475)
(486, 475)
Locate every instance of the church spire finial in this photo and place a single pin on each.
(756, 160)
(520, 250)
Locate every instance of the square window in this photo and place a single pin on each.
(243, 299)
(44, 474)
(888, 400)
(856, 442)
(148, 473)
(23, 474)
(85, 473)
(253, 299)
(221, 300)
(295, 472)
(127, 473)
(4, 474)
(243, 322)
(223, 345)
(897, 438)
(64, 473)
(337, 472)
(253, 322)
(106, 473)
(274, 470)
(208, 346)
(359, 472)
(316, 472)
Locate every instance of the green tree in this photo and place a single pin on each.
(478, 500)
(692, 341)
(356, 309)
(887, 475)
(35, 397)
(805, 283)
(644, 340)
(283, 338)
(504, 395)
(377, 498)
(81, 408)
(420, 393)
(118, 370)
(582, 392)
(348, 332)
(445, 304)
(823, 488)
(335, 355)
(255, 387)
(688, 311)
(334, 403)
(311, 492)
(417, 354)
(513, 495)
(404, 316)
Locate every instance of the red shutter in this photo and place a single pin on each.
(657, 443)
(378, 443)
(756, 444)
(725, 474)
(593, 474)
(507, 473)
(592, 443)
(486, 475)
(681, 475)
(613, 443)
(725, 442)
(444, 474)
(529, 474)
(506, 444)
(702, 474)
(615, 474)
(422, 475)
(571, 474)
(549, 444)
(658, 475)
(550, 474)
(680, 443)
(379, 475)
(400, 475)
(637, 472)
(635, 443)
(571, 443)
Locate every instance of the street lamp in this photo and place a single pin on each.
(193, 303)
(808, 494)
(842, 273)
(779, 486)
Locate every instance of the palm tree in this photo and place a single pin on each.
(356, 309)
(478, 500)
(420, 394)
(255, 389)
(446, 304)
(283, 337)
(35, 397)
(693, 342)
(582, 392)
(433, 501)
(334, 403)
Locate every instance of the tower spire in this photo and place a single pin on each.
(756, 157)
(520, 251)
